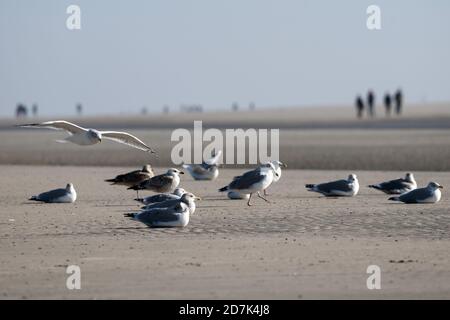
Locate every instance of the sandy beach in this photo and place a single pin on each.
(300, 246)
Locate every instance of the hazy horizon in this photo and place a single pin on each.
(131, 55)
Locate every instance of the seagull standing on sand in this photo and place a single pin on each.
(175, 213)
(162, 183)
(67, 195)
(86, 137)
(253, 181)
(208, 170)
(133, 178)
(177, 193)
(397, 186)
(339, 188)
(429, 194)
(239, 196)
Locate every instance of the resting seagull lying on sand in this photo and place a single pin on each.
(87, 137)
(339, 188)
(253, 181)
(208, 170)
(178, 192)
(67, 195)
(397, 186)
(162, 183)
(429, 194)
(132, 178)
(175, 213)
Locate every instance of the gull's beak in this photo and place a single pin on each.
(441, 187)
(181, 172)
(197, 198)
(284, 165)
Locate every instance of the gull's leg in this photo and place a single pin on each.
(137, 193)
(259, 195)
(249, 198)
(265, 192)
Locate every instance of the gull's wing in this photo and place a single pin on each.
(52, 195)
(339, 185)
(246, 180)
(56, 125)
(415, 195)
(126, 138)
(162, 214)
(159, 181)
(394, 184)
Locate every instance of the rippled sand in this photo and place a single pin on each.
(299, 246)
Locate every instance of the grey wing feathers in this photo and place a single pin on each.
(415, 195)
(341, 185)
(51, 195)
(246, 180)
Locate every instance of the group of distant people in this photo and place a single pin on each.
(22, 110)
(395, 101)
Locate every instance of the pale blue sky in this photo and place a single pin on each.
(131, 54)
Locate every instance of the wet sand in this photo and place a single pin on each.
(299, 246)
(319, 138)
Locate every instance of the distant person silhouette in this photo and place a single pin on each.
(21, 111)
(359, 107)
(166, 109)
(398, 97)
(371, 103)
(235, 106)
(79, 108)
(34, 109)
(387, 104)
(251, 106)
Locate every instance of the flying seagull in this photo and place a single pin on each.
(87, 137)
(162, 183)
(339, 188)
(397, 186)
(67, 195)
(252, 181)
(174, 213)
(429, 194)
(132, 178)
(207, 170)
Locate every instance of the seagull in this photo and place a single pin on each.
(87, 137)
(173, 214)
(162, 183)
(397, 186)
(277, 164)
(172, 202)
(429, 194)
(132, 178)
(344, 188)
(177, 193)
(67, 195)
(208, 170)
(253, 181)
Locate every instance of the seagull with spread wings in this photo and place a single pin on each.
(87, 137)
